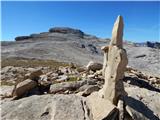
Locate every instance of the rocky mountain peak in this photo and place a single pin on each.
(66, 30)
(53, 32)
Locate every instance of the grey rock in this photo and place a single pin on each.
(90, 89)
(6, 69)
(139, 56)
(6, 91)
(84, 87)
(94, 66)
(101, 109)
(44, 80)
(10, 73)
(71, 86)
(142, 104)
(62, 78)
(46, 107)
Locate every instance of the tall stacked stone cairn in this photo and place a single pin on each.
(116, 64)
(105, 103)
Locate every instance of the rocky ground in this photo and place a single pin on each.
(47, 77)
(36, 93)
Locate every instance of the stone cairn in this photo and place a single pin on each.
(108, 102)
(115, 62)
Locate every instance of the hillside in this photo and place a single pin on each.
(72, 45)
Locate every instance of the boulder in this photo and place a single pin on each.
(24, 87)
(62, 78)
(44, 84)
(91, 76)
(100, 108)
(90, 89)
(35, 74)
(94, 66)
(46, 107)
(71, 86)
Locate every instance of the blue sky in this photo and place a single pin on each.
(23, 18)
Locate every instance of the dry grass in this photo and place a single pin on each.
(72, 78)
(6, 83)
(23, 62)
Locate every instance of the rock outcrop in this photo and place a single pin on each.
(46, 107)
(66, 30)
(19, 38)
(53, 31)
(142, 104)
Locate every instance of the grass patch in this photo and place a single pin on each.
(25, 62)
(6, 83)
(73, 78)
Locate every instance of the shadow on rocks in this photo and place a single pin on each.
(140, 107)
(140, 83)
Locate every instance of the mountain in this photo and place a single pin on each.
(72, 45)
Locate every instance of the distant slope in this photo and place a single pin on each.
(70, 45)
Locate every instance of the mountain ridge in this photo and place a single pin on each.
(73, 45)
